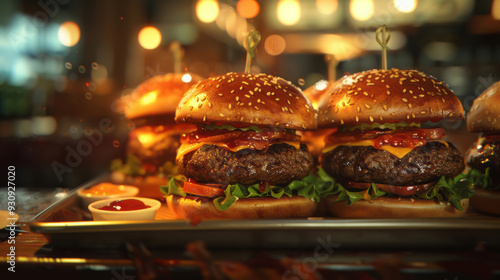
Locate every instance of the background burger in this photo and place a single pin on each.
(484, 155)
(245, 159)
(388, 162)
(152, 144)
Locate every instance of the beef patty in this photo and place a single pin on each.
(279, 164)
(368, 164)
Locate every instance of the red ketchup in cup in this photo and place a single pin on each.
(125, 205)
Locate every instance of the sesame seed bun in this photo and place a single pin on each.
(484, 115)
(389, 207)
(486, 201)
(249, 208)
(247, 99)
(387, 96)
(159, 95)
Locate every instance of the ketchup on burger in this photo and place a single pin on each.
(388, 162)
(245, 159)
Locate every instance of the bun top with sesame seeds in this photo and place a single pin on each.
(158, 95)
(388, 96)
(484, 115)
(247, 99)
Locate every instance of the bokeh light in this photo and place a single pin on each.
(361, 10)
(186, 78)
(207, 10)
(69, 33)
(149, 37)
(247, 8)
(405, 6)
(288, 12)
(275, 44)
(327, 7)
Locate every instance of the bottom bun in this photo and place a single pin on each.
(388, 207)
(195, 208)
(486, 201)
(149, 186)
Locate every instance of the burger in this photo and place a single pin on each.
(483, 158)
(245, 159)
(154, 139)
(389, 157)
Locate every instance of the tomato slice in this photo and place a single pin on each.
(397, 190)
(192, 187)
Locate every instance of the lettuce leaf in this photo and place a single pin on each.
(447, 190)
(133, 167)
(312, 186)
(366, 126)
(213, 126)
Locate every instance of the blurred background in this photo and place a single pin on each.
(65, 63)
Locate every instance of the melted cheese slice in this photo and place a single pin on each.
(397, 151)
(187, 148)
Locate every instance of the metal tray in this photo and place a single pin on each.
(66, 224)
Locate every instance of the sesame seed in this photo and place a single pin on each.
(404, 99)
(359, 109)
(241, 88)
(245, 83)
(422, 112)
(241, 119)
(383, 81)
(229, 106)
(277, 99)
(247, 96)
(209, 104)
(370, 84)
(443, 100)
(256, 108)
(365, 93)
(220, 94)
(413, 115)
(411, 91)
(371, 118)
(421, 95)
(307, 106)
(356, 93)
(288, 101)
(237, 98)
(258, 100)
(251, 92)
(204, 117)
(409, 105)
(222, 115)
(385, 107)
(357, 119)
(404, 90)
(249, 103)
(367, 106)
(218, 85)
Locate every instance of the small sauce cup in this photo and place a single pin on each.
(124, 215)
